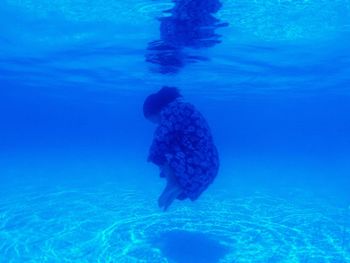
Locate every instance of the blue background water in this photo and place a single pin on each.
(271, 77)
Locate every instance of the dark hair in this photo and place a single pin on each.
(155, 102)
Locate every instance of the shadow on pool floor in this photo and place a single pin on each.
(190, 247)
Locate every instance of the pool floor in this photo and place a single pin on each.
(110, 224)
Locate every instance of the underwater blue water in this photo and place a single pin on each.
(272, 78)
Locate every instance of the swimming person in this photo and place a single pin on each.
(182, 146)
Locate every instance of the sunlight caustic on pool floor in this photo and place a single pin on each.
(105, 225)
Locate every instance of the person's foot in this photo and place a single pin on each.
(168, 196)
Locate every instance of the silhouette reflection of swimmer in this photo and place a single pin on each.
(191, 24)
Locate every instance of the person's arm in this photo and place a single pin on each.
(160, 145)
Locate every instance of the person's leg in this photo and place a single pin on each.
(171, 191)
(170, 197)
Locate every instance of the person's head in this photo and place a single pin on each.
(156, 102)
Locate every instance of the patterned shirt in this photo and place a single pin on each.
(184, 142)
